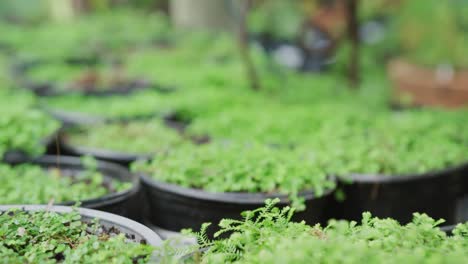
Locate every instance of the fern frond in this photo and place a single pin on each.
(202, 236)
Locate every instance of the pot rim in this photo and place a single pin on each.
(227, 197)
(112, 219)
(385, 178)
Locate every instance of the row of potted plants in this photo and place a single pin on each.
(421, 59)
(452, 147)
(57, 234)
(321, 147)
(273, 144)
(222, 158)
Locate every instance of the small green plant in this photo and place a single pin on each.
(88, 36)
(49, 237)
(139, 103)
(25, 130)
(239, 167)
(32, 184)
(349, 137)
(267, 235)
(148, 136)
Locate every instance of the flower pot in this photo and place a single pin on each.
(110, 225)
(69, 118)
(173, 207)
(138, 232)
(429, 86)
(434, 193)
(125, 203)
(121, 158)
(49, 143)
(448, 229)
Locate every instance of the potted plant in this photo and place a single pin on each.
(80, 109)
(403, 158)
(267, 235)
(67, 180)
(58, 234)
(190, 185)
(432, 68)
(120, 142)
(405, 162)
(24, 131)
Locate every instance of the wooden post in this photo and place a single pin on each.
(243, 42)
(353, 36)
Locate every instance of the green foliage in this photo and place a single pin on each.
(445, 41)
(106, 33)
(240, 167)
(350, 131)
(267, 235)
(48, 237)
(140, 103)
(32, 184)
(147, 136)
(25, 130)
(348, 137)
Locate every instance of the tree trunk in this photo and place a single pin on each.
(243, 39)
(353, 35)
(204, 14)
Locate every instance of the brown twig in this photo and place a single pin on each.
(243, 40)
(353, 35)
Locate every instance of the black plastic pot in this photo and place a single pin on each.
(125, 203)
(50, 143)
(69, 118)
(121, 158)
(136, 231)
(433, 193)
(173, 207)
(448, 229)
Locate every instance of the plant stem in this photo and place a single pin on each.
(243, 40)
(353, 35)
